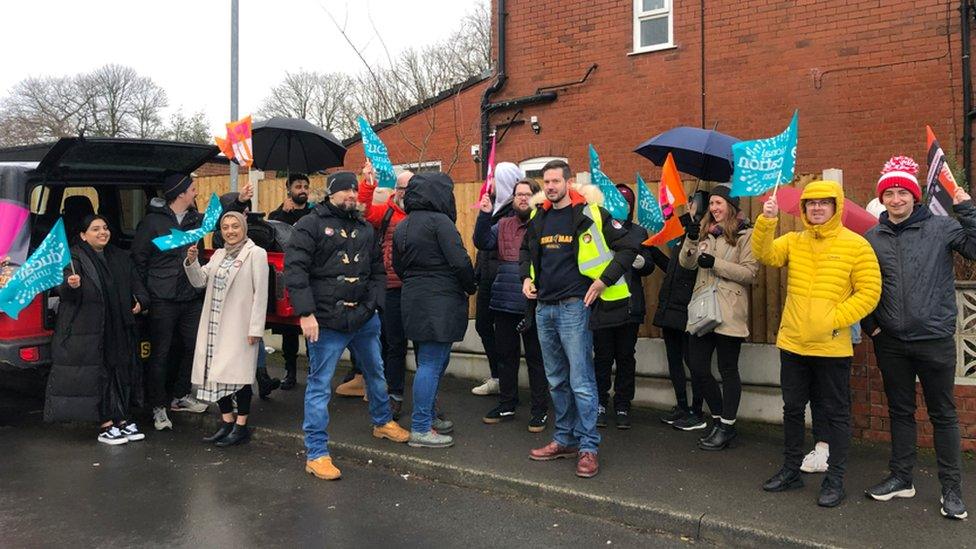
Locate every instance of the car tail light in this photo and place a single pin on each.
(30, 354)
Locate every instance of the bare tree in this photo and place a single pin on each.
(42, 109)
(192, 128)
(321, 98)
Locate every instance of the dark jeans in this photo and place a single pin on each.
(167, 319)
(243, 397)
(934, 362)
(394, 342)
(509, 358)
(676, 348)
(484, 324)
(722, 401)
(827, 381)
(615, 345)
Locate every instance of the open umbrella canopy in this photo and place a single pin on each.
(295, 145)
(705, 154)
(854, 218)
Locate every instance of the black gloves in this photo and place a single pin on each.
(706, 261)
(693, 231)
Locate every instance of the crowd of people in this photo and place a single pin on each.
(558, 281)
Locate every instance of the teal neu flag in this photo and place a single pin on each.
(377, 155)
(613, 201)
(649, 214)
(762, 164)
(177, 238)
(43, 269)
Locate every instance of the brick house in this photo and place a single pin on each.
(866, 76)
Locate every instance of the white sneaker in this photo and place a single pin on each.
(132, 432)
(489, 387)
(112, 437)
(816, 460)
(188, 404)
(161, 420)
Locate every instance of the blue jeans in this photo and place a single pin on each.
(323, 355)
(432, 359)
(567, 353)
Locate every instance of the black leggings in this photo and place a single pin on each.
(243, 396)
(722, 401)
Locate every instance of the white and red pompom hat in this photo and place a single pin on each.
(900, 171)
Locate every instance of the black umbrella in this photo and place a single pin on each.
(294, 145)
(705, 154)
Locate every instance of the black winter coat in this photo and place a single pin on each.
(430, 259)
(486, 261)
(638, 305)
(334, 268)
(675, 292)
(918, 299)
(162, 272)
(78, 370)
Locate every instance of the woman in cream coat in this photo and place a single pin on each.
(231, 326)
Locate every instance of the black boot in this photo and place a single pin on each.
(224, 430)
(288, 383)
(722, 439)
(831, 492)
(266, 384)
(711, 432)
(239, 435)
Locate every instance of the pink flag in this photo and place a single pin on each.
(490, 177)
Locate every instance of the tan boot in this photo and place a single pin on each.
(392, 431)
(323, 468)
(355, 387)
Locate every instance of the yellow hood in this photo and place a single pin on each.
(823, 189)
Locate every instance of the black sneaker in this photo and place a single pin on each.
(952, 505)
(891, 487)
(622, 419)
(498, 414)
(538, 422)
(691, 422)
(784, 479)
(675, 414)
(831, 493)
(601, 417)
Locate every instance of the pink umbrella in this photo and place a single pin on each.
(854, 218)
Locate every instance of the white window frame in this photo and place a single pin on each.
(641, 15)
(415, 166)
(538, 162)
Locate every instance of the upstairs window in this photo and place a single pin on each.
(653, 25)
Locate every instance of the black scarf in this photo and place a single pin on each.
(109, 269)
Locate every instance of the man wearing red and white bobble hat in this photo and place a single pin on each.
(914, 324)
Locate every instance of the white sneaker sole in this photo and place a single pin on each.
(963, 516)
(115, 442)
(134, 438)
(909, 493)
(413, 444)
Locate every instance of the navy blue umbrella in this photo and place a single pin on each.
(705, 154)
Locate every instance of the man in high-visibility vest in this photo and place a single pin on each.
(572, 262)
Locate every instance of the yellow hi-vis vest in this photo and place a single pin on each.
(594, 255)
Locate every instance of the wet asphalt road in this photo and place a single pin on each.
(59, 487)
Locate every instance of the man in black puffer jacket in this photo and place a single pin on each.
(335, 277)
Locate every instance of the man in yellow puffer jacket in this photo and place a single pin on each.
(833, 282)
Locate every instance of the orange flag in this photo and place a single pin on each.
(671, 195)
(224, 147)
(239, 136)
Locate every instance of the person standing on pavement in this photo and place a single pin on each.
(723, 259)
(572, 262)
(914, 325)
(176, 304)
(385, 215)
(833, 282)
(615, 334)
(437, 276)
(334, 274)
(506, 174)
(511, 310)
(93, 351)
(294, 208)
(231, 326)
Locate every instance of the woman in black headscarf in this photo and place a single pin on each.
(94, 347)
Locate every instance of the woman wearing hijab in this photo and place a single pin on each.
(93, 350)
(231, 326)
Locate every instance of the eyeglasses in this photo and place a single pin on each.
(820, 203)
(523, 195)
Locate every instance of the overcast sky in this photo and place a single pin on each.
(184, 45)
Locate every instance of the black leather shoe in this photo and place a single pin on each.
(722, 438)
(622, 419)
(266, 384)
(222, 431)
(785, 479)
(239, 435)
(831, 493)
(288, 383)
(711, 432)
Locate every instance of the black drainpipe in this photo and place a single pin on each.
(967, 91)
(494, 88)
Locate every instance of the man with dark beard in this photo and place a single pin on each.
(290, 211)
(510, 309)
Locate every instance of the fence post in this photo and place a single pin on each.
(834, 174)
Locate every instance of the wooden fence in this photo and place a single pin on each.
(768, 293)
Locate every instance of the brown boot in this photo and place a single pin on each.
(323, 468)
(355, 387)
(392, 431)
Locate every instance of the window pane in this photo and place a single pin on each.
(654, 31)
(651, 5)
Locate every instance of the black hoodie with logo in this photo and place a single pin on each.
(162, 271)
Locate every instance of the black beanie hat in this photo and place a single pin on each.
(175, 185)
(341, 181)
(723, 191)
